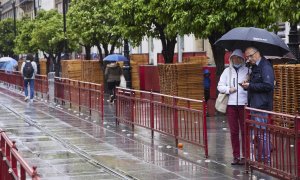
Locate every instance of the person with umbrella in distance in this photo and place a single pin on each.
(260, 96)
(113, 74)
(236, 73)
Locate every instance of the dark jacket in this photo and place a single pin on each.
(113, 72)
(260, 90)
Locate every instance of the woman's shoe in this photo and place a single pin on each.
(235, 161)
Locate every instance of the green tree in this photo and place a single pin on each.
(48, 36)
(155, 18)
(24, 37)
(93, 23)
(7, 37)
(213, 18)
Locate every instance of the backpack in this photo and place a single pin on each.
(28, 70)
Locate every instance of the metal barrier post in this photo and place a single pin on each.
(132, 108)
(297, 146)
(247, 139)
(90, 98)
(79, 97)
(70, 94)
(102, 101)
(51, 86)
(14, 160)
(205, 127)
(175, 119)
(151, 115)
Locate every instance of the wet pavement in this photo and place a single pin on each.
(65, 144)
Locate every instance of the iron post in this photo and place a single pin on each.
(294, 41)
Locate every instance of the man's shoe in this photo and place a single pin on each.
(235, 161)
(31, 101)
(26, 98)
(242, 161)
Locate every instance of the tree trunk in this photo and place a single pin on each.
(57, 65)
(47, 63)
(87, 52)
(168, 49)
(100, 51)
(105, 47)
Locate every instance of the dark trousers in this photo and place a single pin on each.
(235, 116)
(206, 94)
(111, 89)
(31, 86)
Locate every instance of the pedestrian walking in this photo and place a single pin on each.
(207, 82)
(260, 96)
(113, 74)
(229, 82)
(29, 70)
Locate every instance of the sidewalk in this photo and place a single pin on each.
(67, 145)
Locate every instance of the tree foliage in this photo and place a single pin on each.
(24, 37)
(139, 18)
(48, 35)
(7, 37)
(93, 23)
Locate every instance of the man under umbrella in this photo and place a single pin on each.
(260, 95)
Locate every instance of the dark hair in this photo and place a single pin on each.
(29, 57)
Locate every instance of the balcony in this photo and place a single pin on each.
(25, 1)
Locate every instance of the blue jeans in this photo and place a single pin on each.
(31, 85)
(262, 138)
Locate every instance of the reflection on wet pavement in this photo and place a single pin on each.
(65, 145)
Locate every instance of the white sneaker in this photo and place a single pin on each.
(26, 98)
(31, 100)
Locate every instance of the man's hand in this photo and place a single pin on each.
(245, 85)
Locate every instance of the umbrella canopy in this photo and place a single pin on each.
(11, 65)
(266, 42)
(115, 57)
(5, 59)
(8, 64)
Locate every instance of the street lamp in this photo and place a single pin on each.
(65, 9)
(36, 58)
(294, 41)
(1, 9)
(14, 13)
(126, 67)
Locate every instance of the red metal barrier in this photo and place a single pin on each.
(273, 146)
(81, 94)
(163, 114)
(41, 86)
(12, 165)
(15, 79)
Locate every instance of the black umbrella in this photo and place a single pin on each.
(266, 42)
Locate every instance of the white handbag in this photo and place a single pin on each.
(221, 102)
(222, 99)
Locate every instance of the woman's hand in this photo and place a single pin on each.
(232, 90)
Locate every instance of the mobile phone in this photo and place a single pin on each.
(240, 84)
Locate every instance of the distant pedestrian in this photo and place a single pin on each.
(29, 70)
(113, 74)
(260, 96)
(207, 82)
(229, 82)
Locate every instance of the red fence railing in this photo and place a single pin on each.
(170, 115)
(15, 79)
(12, 165)
(41, 86)
(272, 143)
(80, 94)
